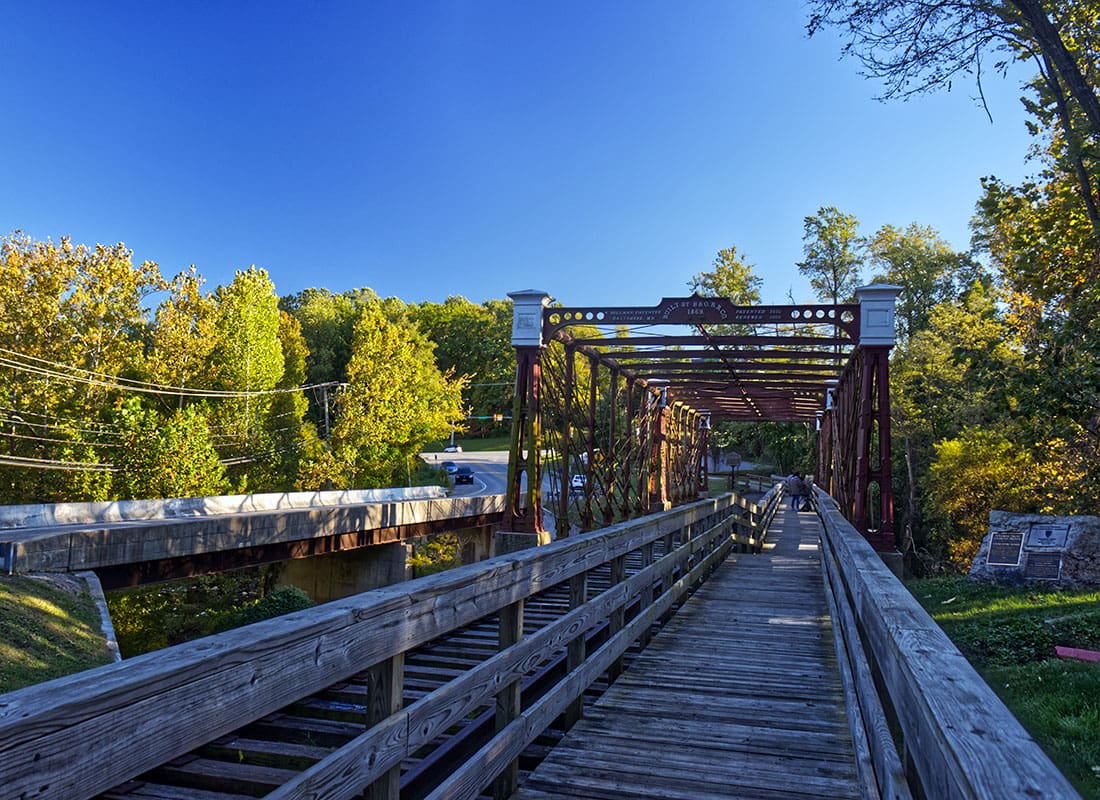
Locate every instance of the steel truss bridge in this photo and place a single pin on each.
(625, 397)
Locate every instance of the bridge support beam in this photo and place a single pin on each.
(854, 440)
(658, 472)
(873, 459)
(523, 513)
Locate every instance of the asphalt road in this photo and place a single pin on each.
(490, 471)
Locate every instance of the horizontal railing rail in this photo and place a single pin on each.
(78, 736)
(957, 739)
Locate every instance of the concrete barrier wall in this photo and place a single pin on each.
(50, 514)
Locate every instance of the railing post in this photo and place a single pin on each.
(385, 687)
(626, 508)
(612, 465)
(647, 593)
(615, 623)
(576, 650)
(509, 700)
(587, 518)
(658, 491)
(704, 421)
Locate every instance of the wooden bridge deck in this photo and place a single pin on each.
(739, 696)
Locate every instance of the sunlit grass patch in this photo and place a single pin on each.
(46, 632)
(1009, 635)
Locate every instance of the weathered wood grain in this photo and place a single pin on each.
(738, 696)
(961, 739)
(81, 735)
(332, 779)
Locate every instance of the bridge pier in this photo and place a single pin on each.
(513, 541)
(332, 576)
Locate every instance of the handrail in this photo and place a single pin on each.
(959, 738)
(78, 736)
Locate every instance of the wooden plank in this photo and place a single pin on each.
(864, 707)
(508, 698)
(157, 791)
(384, 699)
(468, 780)
(361, 760)
(229, 776)
(746, 674)
(99, 716)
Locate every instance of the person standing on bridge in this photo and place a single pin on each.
(795, 488)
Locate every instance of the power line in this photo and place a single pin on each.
(65, 372)
(44, 463)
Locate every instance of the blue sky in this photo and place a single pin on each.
(601, 151)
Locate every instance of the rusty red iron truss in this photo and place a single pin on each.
(614, 404)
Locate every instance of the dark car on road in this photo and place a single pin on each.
(451, 467)
(464, 475)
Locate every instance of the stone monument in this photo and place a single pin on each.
(1057, 552)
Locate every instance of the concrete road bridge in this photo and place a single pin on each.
(658, 642)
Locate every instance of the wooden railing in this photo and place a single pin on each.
(904, 676)
(78, 736)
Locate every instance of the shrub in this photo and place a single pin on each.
(283, 600)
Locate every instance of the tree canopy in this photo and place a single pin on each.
(833, 254)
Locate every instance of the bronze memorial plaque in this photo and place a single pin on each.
(1043, 566)
(1047, 537)
(1004, 548)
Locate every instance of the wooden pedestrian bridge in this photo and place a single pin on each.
(719, 649)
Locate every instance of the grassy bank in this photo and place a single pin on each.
(47, 629)
(1009, 636)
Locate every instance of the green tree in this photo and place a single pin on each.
(929, 271)
(731, 277)
(247, 357)
(474, 343)
(171, 457)
(182, 336)
(949, 376)
(328, 326)
(831, 247)
(71, 317)
(395, 401)
(979, 470)
(292, 436)
(917, 46)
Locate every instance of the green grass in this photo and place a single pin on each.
(489, 443)
(1009, 635)
(46, 632)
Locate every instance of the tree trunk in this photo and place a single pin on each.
(1050, 41)
(1073, 147)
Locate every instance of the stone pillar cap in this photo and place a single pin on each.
(527, 306)
(876, 313)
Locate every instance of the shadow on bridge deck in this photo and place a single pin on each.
(739, 695)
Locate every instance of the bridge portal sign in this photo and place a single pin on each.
(699, 310)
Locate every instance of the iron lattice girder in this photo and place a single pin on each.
(779, 373)
(726, 341)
